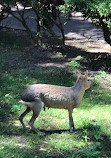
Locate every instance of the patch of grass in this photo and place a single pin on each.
(63, 142)
(93, 116)
(13, 150)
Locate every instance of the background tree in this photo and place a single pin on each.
(99, 11)
(47, 14)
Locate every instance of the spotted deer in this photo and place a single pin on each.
(37, 96)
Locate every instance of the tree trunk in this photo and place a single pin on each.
(106, 31)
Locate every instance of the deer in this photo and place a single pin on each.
(37, 96)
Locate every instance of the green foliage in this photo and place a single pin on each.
(99, 11)
(67, 8)
(88, 152)
(104, 74)
(74, 64)
(94, 8)
(47, 12)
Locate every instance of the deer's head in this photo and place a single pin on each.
(84, 79)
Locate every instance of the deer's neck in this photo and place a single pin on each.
(78, 90)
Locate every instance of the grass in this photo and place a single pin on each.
(92, 118)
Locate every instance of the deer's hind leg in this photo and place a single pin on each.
(37, 107)
(23, 115)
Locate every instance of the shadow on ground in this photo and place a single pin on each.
(53, 55)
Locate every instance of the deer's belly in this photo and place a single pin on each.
(60, 104)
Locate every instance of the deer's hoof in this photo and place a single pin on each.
(74, 131)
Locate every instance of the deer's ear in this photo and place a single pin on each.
(77, 73)
(86, 73)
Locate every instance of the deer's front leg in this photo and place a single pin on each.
(71, 123)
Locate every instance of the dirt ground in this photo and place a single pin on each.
(91, 55)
